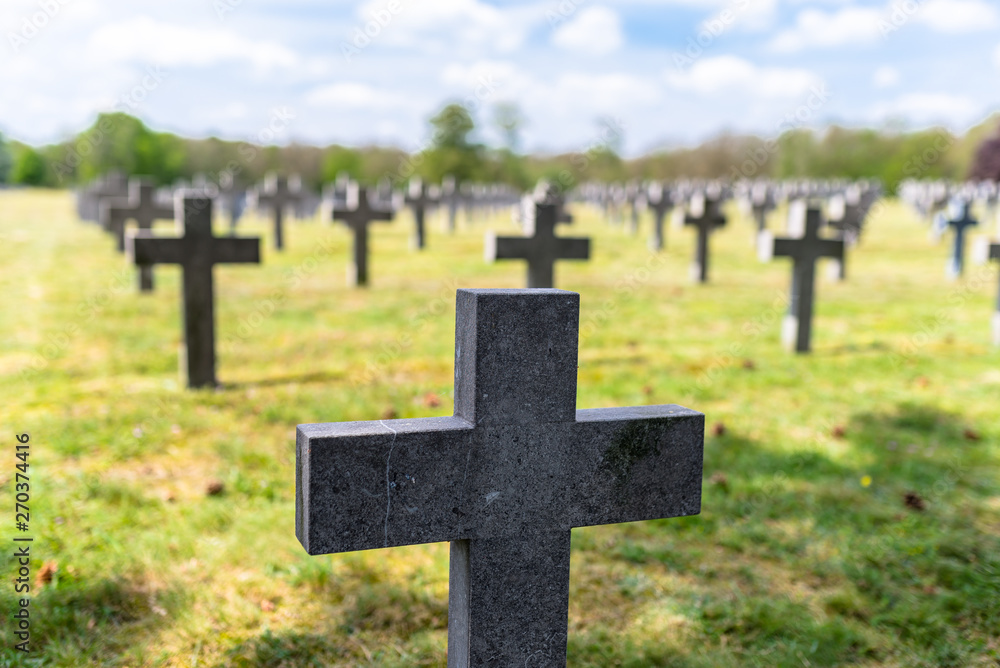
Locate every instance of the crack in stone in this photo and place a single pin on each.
(388, 497)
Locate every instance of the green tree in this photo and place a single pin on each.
(452, 152)
(30, 168)
(5, 160)
(340, 159)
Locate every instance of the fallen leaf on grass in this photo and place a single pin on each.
(46, 573)
(914, 501)
(719, 429)
(971, 435)
(389, 414)
(720, 480)
(215, 488)
(432, 400)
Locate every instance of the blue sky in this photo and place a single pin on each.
(671, 72)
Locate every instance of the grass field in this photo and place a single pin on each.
(851, 510)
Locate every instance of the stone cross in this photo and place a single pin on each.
(705, 215)
(504, 479)
(278, 195)
(541, 249)
(142, 207)
(357, 214)
(419, 199)
(660, 200)
(197, 250)
(805, 251)
(959, 220)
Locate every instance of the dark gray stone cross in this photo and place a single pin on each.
(357, 214)
(278, 196)
(541, 249)
(959, 221)
(706, 216)
(504, 479)
(197, 251)
(141, 206)
(805, 251)
(419, 199)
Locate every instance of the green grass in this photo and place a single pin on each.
(805, 554)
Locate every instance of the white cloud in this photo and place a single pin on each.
(816, 28)
(594, 30)
(440, 26)
(352, 95)
(726, 74)
(957, 16)
(146, 40)
(885, 76)
(952, 110)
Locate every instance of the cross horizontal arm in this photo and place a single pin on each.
(230, 250)
(831, 248)
(573, 248)
(364, 485)
(144, 248)
(508, 248)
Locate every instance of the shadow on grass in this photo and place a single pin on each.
(94, 621)
(284, 650)
(303, 379)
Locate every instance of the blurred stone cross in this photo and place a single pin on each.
(704, 213)
(197, 250)
(142, 207)
(541, 249)
(278, 195)
(959, 220)
(419, 198)
(660, 200)
(358, 213)
(805, 252)
(504, 479)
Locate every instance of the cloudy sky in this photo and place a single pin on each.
(669, 71)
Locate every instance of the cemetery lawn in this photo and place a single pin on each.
(851, 508)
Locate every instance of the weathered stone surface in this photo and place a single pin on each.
(541, 249)
(197, 251)
(505, 479)
(805, 252)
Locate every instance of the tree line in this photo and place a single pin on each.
(118, 141)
